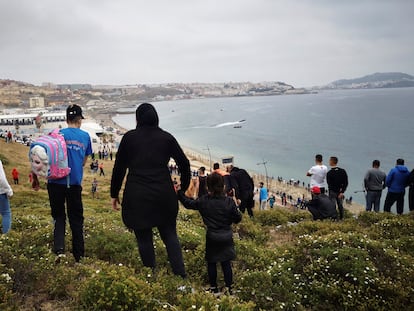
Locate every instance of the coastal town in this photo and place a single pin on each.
(23, 103)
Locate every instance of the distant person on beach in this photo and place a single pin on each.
(79, 147)
(15, 175)
(318, 173)
(411, 191)
(374, 183)
(337, 179)
(149, 199)
(201, 182)
(219, 213)
(6, 193)
(396, 181)
(243, 187)
(321, 206)
(262, 196)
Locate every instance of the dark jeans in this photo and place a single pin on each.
(339, 202)
(58, 195)
(169, 236)
(373, 199)
(390, 200)
(227, 273)
(411, 198)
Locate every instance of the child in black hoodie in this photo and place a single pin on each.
(219, 213)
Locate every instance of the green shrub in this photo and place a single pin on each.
(115, 288)
(7, 297)
(110, 242)
(250, 230)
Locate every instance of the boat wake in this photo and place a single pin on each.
(233, 123)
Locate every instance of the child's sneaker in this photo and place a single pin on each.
(228, 291)
(214, 290)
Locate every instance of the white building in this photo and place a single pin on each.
(37, 102)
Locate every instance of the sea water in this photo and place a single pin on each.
(282, 134)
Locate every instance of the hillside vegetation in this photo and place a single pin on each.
(285, 260)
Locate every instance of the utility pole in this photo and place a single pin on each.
(264, 164)
(209, 155)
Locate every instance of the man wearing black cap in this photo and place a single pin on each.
(79, 146)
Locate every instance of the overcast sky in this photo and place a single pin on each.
(300, 42)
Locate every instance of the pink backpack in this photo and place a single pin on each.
(48, 156)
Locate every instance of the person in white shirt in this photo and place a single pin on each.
(6, 192)
(318, 173)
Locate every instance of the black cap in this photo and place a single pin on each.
(74, 111)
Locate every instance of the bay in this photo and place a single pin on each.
(286, 131)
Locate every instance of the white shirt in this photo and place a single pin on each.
(318, 175)
(4, 184)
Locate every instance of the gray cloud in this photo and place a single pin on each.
(300, 42)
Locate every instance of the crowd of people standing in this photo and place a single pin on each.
(375, 181)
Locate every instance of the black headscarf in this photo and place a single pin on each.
(146, 115)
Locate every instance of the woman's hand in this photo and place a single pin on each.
(115, 202)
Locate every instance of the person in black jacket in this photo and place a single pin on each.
(321, 206)
(337, 180)
(411, 191)
(243, 186)
(149, 199)
(218, 212)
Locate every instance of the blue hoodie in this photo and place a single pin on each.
(397, 179)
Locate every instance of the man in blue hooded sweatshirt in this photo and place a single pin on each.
(396, 181)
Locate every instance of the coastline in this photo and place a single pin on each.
(198, 159)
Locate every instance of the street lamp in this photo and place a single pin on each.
(209, 155)
(264, 164)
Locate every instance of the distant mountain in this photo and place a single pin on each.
(376, 80)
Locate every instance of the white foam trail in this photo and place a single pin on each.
(227, 124)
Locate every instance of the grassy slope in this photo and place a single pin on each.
(285, 261)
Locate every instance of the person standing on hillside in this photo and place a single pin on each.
(79, 147)
(374, 183)
(317, 174)
(149, 199)
(6, 193)
(337, 179)
(101, 169)
(15, 175)
(243, 186)
(396, 181)
(219, 213)
(411, 191)
(201, 182)
(262, 196)
(94, 189)
(226, 176)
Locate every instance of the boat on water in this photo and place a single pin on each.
(237, 126)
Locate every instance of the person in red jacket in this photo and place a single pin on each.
(15, 174)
